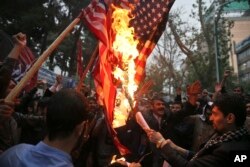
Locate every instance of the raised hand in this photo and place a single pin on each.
(217, 87)
(194, 88)
(20, 39)
(59, 79)
(20, 43)
(192, 91)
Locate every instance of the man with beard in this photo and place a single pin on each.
(228, 118)
(160, 118)
(65, 119)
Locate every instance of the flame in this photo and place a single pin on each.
(121, 109)
(125, 51)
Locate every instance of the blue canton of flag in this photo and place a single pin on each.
(148, 15)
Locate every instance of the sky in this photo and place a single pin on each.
(186, 6)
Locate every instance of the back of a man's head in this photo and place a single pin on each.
(232, 103)
(66, 109)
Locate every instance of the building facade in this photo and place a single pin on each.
(243, 58)
(239, 13)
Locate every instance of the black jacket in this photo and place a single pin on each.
(166, 128)
(169, 120)
(219, 155)
(135, 139)
(6, 69)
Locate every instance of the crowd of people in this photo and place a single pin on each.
(67, 127)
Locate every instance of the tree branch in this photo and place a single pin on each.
(183, 48)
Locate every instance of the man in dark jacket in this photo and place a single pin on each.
(228, 117)
(163, 120)
(7, 66)
(158, 118)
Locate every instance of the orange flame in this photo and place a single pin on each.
(125, 45)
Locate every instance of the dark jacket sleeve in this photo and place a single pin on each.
(216, 158)
(173, 157)
(29, 119)
(5, 74)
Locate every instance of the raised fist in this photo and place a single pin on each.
(20, 39)
(194, 88)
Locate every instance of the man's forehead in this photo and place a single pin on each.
(158, 101)
(215, 109)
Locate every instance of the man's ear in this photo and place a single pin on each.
(230, 118)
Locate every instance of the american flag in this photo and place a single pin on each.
(97, 81)
(26, 60)
(150, 17)
(94, 16)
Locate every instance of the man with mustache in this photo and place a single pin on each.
(160, 118)
(228, 118)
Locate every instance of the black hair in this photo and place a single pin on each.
(178, 102)
(157, 97)
(232, 103)
(66, 109)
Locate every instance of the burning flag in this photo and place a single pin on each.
(128, 32)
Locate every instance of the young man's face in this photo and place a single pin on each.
(158, 107)
(218, 120)
(176, 107)
(204, 93)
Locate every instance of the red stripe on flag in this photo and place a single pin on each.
(94, 16)
(142, 60)
(26, 56)
(79, 58)
(27, 59)
(109, 92)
